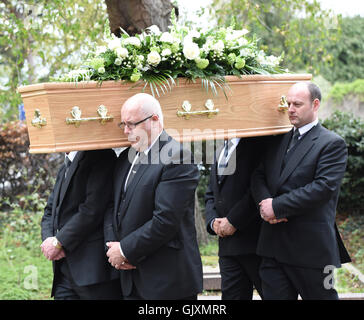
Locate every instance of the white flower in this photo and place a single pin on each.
(118, 61)
(141, 57)
(242, 42)
(154, 29)
(191, 50)
(122, 52)
(100, 49)
(245, 52)
(235, 34)
(113, 43)
(101, 70)
(218, 46)
(134, 41)
(166, 52)
(193, 34)
(166, 37)
(154, 58)
(272, 61)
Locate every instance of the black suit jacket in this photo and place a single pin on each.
(232, 199)
(75, 213)
(156, 226)
(306, 193)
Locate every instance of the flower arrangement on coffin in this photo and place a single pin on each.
(158, 58)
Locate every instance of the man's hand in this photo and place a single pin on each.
(50, 251)
(226, 228)
(267, 212)
(118, 261)
(216, 225)
(223, 227)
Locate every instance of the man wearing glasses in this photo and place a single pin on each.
(151, 234)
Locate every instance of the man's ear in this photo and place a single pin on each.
(316, 104)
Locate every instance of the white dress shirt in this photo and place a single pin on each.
(306, 128)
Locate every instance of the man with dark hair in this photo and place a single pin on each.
(72, 228)
(232, 215)
(297, 188)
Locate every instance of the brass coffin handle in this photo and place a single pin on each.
(76, 116)
(38, 121)
(283, 104)
(209, 111)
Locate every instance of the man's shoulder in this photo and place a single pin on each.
(99, 156)
(330, 135)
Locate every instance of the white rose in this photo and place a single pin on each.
(218, 46)
(101, 70)
(134, 41)
(191, 50)
(114, 43)
(154, 29)
(117, 61)
(122, 52)
(154, 58)
(166, 37)
(166, 52)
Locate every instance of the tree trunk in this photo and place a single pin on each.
(200, 223)
(135, 15)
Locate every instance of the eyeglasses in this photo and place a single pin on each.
(132, 125)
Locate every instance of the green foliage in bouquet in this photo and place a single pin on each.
(158, 58)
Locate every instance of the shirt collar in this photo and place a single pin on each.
(150, 147)
(235, 141)
(71, 155)
(307, 127)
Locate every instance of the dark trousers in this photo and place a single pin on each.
(284, 282)
(66, 288)
(134, 295)
(239, 276)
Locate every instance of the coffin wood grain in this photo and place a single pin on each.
(250, 110)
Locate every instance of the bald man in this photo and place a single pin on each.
(156, 247)
(297, 188)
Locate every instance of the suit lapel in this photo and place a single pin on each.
(121, 170)
(57, 190)
(236, 153)
(70, 173)
(302, 148)
(153, 154)
(278, 159)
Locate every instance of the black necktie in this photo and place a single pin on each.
(67, 163)
(133, 170)
(294, 139)
(223, 163)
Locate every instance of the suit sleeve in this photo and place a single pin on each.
(258, 186)
(171, 205)
(329, 172)
(92, 210)
(47, 221)
(109, 234)
(243, 212)
(210, 209)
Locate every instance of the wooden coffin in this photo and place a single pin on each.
(55, 124)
